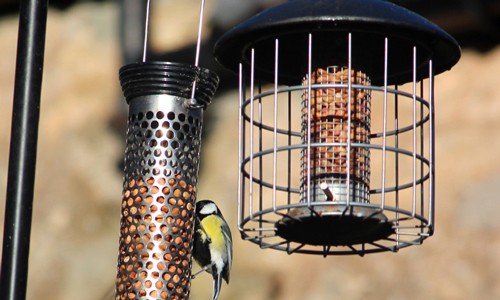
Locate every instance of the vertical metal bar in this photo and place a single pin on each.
(308, 137)
(396, 162)
(241, 147)
(252, 78)
(349, 121)
(261, 163)
(384, 125)
(289, 163)
(23, 147)
(414, 150)
(275, 127)
(422, 149)
(432, 165)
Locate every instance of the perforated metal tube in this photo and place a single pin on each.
(161, 173)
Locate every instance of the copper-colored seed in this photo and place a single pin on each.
(186, 195)
(165, 209)
(146, 237)
(160, 199)
(172, 182)
(137, 200)
(175, 212)
(182, 184)
(142, 228)
(155, 190)
(164, 295)
(131, 183)
(161, 181)
(142, 293)
(149, 199)
(167, 257)
(155, 275)
(168, 238)
(143, 275)
(131, 295)
(148, 284)
(177, 193)
(170, 286)
(166, 276)
(189, 206)
(161, 266)
(156, 256)
(150, 181)
(154, 293)
(159, 285)
(150, 246)
(137, 284)
(176, 278)
(171, 268)
(166, 190)
(172, 201)
(143, 209)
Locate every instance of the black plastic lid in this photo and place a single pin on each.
(155, 78)
(329, 22)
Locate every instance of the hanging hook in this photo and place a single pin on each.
(193, 102)
(146, 31)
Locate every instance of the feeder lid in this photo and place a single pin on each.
(329, 22)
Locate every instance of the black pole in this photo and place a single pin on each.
(22, 159)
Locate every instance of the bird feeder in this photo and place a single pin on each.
(336, 123)
(166, 103)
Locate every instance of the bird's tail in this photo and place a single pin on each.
(217, 286)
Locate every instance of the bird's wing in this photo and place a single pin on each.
(229, 250)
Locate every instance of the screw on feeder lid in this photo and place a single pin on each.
(176, 79)
(329, 22)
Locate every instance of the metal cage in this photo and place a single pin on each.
(336, 149)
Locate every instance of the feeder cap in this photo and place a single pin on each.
(329, 22)
(176, 79)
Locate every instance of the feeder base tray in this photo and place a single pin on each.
(334, 225)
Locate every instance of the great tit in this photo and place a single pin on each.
(213, 245)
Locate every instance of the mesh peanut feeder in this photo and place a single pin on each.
(166, 103)
(336, 125)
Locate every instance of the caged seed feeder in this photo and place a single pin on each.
(336, 125)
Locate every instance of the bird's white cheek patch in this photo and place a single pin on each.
(208, 209)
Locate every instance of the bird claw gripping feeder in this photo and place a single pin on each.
(166, 102)
(336, 125)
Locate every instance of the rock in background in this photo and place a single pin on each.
(74, 242)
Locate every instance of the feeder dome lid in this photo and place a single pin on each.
(329, 22)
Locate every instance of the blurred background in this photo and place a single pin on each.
(74, 239)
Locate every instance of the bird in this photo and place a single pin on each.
(212, 244)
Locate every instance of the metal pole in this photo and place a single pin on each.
(22, 159)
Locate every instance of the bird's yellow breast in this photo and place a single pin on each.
(212, 225)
